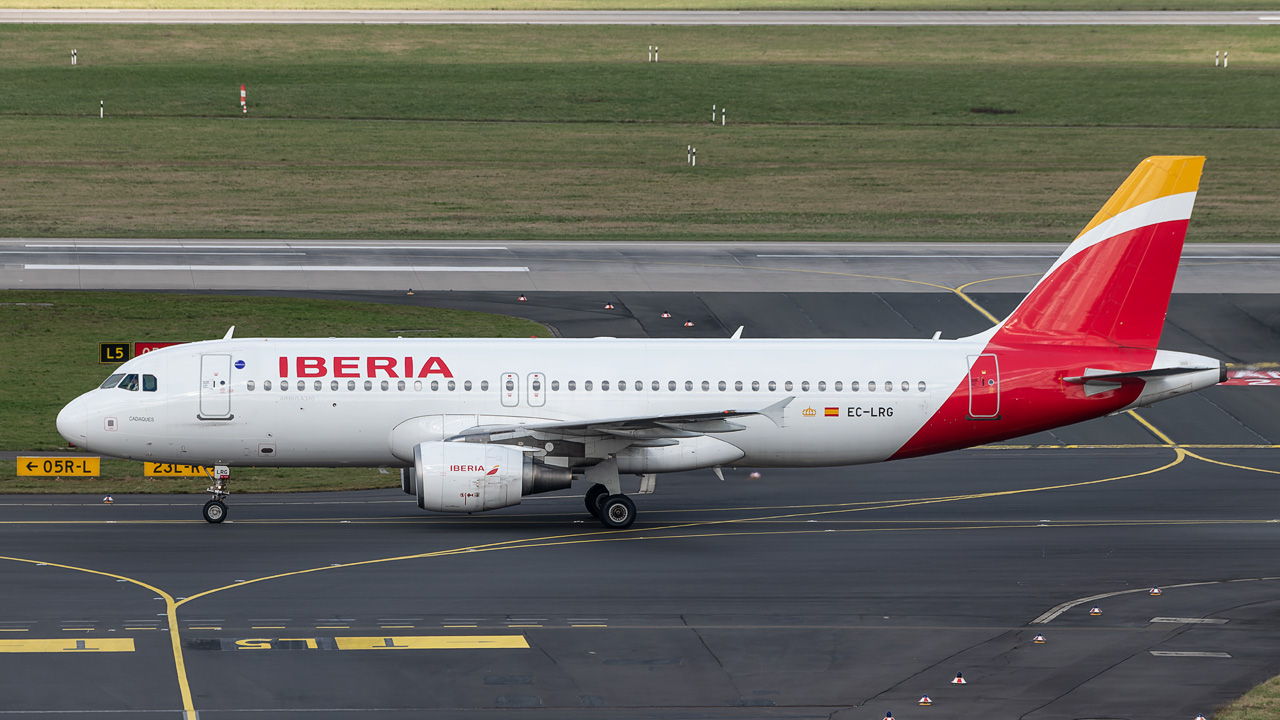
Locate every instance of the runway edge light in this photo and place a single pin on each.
(959, 680)
(107, 500)
(1155, 591)
(924, 699)
(888, 715)
(1039, 640)
(1095, 610)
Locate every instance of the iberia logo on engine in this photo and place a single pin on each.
(474, 468)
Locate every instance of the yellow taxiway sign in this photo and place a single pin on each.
(170, 470)
(76, 466)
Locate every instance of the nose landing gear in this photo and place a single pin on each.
(215, 511)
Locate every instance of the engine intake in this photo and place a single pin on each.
(470, 477)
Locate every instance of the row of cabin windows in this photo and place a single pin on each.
(739, 386)
(588, 385)
(131, 381)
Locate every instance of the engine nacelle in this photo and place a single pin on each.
(473, 477)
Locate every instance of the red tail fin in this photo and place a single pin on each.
(1112, 285)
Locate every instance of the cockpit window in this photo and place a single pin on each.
(148, 383)
(111, 382)
(130, 382)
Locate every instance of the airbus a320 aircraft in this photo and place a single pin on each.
(476, 425)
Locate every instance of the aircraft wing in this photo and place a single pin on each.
(642, 427)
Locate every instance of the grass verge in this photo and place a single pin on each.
(1260, 703)
(552, 132)
(653, 4)
(51, 356)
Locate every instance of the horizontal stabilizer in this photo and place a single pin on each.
(1091, 375)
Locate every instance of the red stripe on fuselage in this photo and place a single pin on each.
(1103, 308)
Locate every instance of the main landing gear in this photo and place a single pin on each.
(215, 511)
(616, 512)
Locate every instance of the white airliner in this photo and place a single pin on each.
(476, 425)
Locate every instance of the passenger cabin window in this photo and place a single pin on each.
(822, 386)
(586, 385)
(400, 386)
(604, 385)
(435, 385)
(871, 386)
(805, 386)
(671, 386)
(249, 385)
(351, 385)
(484, 385)
(787, 386)
(853, 386)
(452, 386)
(385, 385)
(417, 386)
(130, 382)
(266, 384)
(317, 385)
(333, 384)
(888, 386)
(148, 383)
(905, 386)
(284, 385)
(555, 386)
(706, 385)
(773, 385)
(839, 386)
(738, 386)
(368, 385)
(572, 385)
(755, 385)
(467, 386)
(920, 386)
(640, 385)
(688, 385)
(112, 381)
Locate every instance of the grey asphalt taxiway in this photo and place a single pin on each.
(844, 593)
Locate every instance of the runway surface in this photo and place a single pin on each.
(584, 266)
(818, 593)
(639, 17)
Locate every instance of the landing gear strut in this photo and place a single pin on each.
(215, 511)
(605, 500)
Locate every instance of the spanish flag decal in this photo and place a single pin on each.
(831, 412)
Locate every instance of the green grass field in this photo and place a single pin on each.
(656, 4)
(566, 133)
(1260, 703)
(69, 325)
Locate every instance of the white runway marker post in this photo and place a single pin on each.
(688, 154)
(650, 53)
(722, 112)
(1224, 58)
(73, 57)
(1217, 55)
(244, 101)
(713, 114)
(102, 109)
(695, 157)
(655, 53)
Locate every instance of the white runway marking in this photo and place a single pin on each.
(1189, 621)
(264, 246)
(283, 268)
(187, 251)
(1168, 653)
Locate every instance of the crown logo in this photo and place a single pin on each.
(809, 412)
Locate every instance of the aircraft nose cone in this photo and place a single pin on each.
(73, 422)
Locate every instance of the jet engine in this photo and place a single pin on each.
(472, 477)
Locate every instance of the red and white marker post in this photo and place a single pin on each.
(244, 103)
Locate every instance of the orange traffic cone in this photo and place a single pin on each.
(959, 680)
(924, 699)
